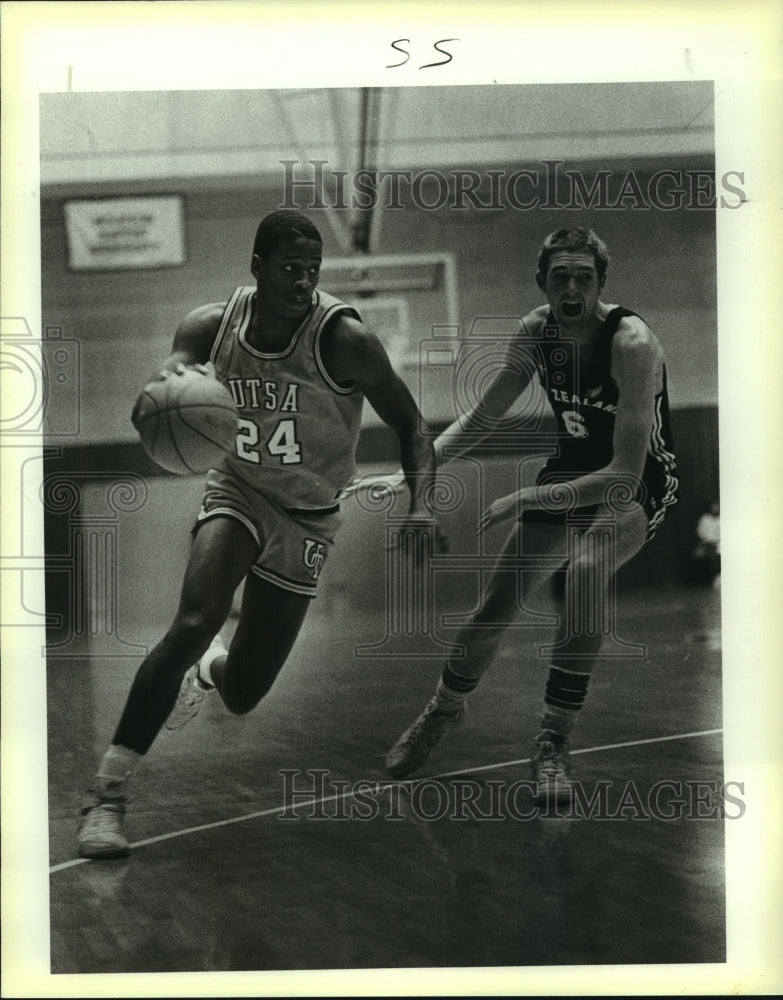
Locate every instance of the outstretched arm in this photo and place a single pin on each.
(352, 354)
(505, 388)
(637, 363)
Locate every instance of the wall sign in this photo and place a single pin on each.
(109, 234)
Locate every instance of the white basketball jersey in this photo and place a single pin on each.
(298, 429)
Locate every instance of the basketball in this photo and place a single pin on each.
(187, 422)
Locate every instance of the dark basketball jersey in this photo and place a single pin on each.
(298, 429)
(584, 399)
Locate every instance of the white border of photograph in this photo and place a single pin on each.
(124, 46)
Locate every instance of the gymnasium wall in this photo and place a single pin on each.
(663, 266)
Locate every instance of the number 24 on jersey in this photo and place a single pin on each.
(282, 442)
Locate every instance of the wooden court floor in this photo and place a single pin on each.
(228, 872)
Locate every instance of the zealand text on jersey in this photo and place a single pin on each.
(569, 397)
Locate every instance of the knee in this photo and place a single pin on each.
(237, 705)
(241, 702)
(242, 690)
(590, 570)
(194, 628)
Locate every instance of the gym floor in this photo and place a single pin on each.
(231, 871)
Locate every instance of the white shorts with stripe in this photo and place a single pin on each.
(293, 544)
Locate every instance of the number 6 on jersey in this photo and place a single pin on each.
(282, 442)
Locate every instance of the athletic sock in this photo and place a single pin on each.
(204, 670)
(565, 694)
(116, 766)
(452, 688)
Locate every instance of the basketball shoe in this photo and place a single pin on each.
(193, 690)
(100, 833)
(415, 745)
(551, 770)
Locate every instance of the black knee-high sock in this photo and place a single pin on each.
(564, 696)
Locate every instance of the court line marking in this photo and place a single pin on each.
(381, 784)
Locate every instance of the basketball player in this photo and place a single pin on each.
(299, 364)
(603, 372)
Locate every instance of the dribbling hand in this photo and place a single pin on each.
(179, 369)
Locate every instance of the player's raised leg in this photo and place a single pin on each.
(269, 623)
(277, 594)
